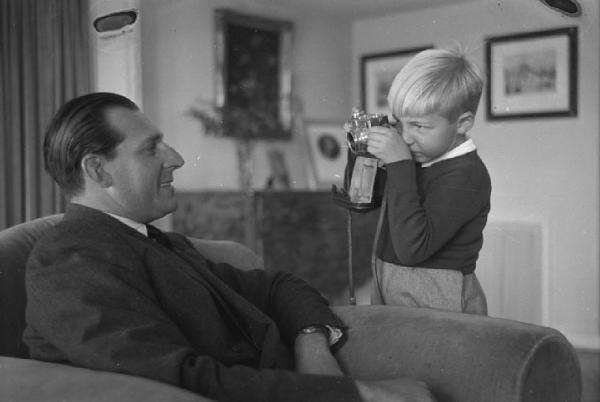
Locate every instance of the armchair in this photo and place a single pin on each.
(462, 357)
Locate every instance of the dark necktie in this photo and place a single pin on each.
(159, 237)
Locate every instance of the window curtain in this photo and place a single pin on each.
(44, 61)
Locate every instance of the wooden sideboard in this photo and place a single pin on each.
(302, 232)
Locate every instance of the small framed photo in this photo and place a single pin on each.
(328, 150)
(377, 71)
(532, 75)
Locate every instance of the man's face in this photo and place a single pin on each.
(429, 136)
(142, 171)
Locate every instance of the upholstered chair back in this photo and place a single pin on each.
(15, 245)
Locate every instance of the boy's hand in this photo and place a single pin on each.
(387, 144)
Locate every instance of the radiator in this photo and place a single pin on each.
(510, 271)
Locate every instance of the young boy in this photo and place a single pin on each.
(437, 194)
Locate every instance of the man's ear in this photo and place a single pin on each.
(93, 168)
(465, 122)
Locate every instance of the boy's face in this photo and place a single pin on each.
(430, 136)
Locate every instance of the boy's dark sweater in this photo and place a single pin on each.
(435, 215)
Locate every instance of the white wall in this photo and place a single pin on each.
(178, 69)
(117, 54)
(543, 170)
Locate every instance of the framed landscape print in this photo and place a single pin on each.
(532, 75)
(377, 71)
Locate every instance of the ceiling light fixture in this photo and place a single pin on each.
(569, 8)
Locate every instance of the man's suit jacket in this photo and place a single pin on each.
(104, 296)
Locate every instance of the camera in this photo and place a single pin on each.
(362, 190)
(357, 128)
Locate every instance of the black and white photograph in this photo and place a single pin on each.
(202, 200)
(328, 149)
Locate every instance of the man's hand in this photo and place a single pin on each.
(387, 144)
(313, 355)
(395, 390)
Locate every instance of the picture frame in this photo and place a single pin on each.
(253, 75)
(532, 75)
(328, 152)
(377, 71)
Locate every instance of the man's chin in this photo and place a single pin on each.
(164, 207)
(169, 206)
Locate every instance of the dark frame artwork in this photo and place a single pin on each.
(532, 75)
(377, 70)
(253, 75)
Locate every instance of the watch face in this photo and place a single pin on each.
(315, 328)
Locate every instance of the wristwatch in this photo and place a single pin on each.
(315, 329)
(332, 333)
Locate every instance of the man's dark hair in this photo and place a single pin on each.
(81, 127)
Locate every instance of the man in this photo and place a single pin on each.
(103, 294)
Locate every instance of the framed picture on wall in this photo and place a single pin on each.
(532, 75)
(253, 75)
(328, 150)
(377, 71)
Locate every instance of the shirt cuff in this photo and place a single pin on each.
(335, 334)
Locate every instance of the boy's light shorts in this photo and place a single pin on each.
(443, 289)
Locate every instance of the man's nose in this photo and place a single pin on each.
(173, 158)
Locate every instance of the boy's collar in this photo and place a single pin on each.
(464, 148)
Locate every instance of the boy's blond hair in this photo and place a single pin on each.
(439, 81)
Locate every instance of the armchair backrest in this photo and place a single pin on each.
(16, 244)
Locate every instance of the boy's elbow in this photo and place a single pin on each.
(410, 258)
(414, 251)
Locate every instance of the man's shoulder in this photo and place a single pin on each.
(81, 231)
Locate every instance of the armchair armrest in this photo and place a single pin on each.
(35, 381)
(462, 357)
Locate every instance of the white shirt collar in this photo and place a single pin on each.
(464, 148)
(140, 227)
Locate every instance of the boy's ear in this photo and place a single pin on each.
(465, 122)
(93, 167)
